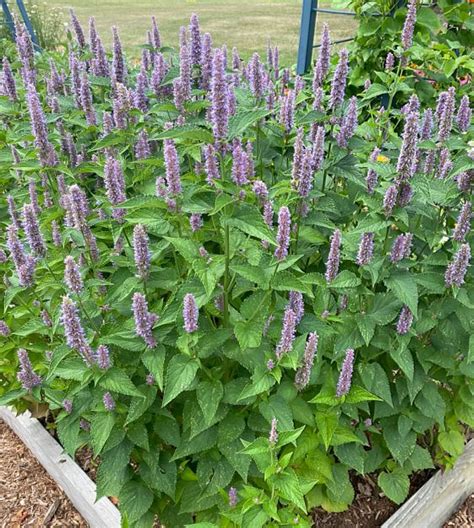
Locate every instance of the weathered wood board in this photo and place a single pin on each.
(434, 503)
(65, 472)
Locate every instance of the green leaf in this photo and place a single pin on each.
(289, 488)
(375, 380)
(395, 485)
(420, 459)
(359, 394)
(403, 285)
(249, 333)
(209, 395)
(135, 499)
(117, 381)
(400, 446)
(352, 455)
(180, 373)
(11, 396)
(138, 406)
(452, 442)
(256, 274)
(327, 422)
(243, 120)
(154, 361)
(345, 279)
(403, 358)
(101, 427)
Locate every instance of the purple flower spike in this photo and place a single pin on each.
(260, 190)
(239, 164)
(4, 330)
(338, 86)
(322, 64)
(256, 73)
(118, 63)
(296, 303)
(46, 318)
(409, 25)
(206, 61)
(86, 100)
(268, 213)
(463, 181)
(405, 321)
(67, 406)
(144, 320)
(32, 231)
(109, 402)
(349, 124)
(345, 377)
(273, 435)
(283, 234)
(304, 372)
(401, 247)
(114, 185)
(366, 249)
(371, 179)
(389, 61)
(26, 376)
(102, 357)
(405, 193)
(195, 221)
(76, 25)
(332, 263)
(444, 164)
(155, 34)
(318, 148)
(219, 111)
(72, 275)
(287, 111)
(140, 98)
(457, 268)
(141, 252)
(211, 164)
(463, 117)
(390, 199)
(195, 40)
(445, 115)
(190, 313)
(287, 333)
(463, 223)
(173, 177)
(426, 127)
(142, 146)
(233, 498)
(408, 158)
(8, 81)
(46, 152)
(150, 379)
(73, 330)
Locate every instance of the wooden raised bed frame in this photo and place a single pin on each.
(429, 507)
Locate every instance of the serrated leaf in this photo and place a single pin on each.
(243, 120)
(101, 427)
(154, 361)
(403, 285)
(395, 485)
(345, 279)
(117, 381)
(359, 394)
(209, 395)
(375, 380)
(180, 373)
(135, 499)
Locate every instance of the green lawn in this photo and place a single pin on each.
(247, 24)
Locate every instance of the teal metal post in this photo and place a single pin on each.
(29, 26)
(8, 17)
(308, 23)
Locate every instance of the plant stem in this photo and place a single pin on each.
(226, 273)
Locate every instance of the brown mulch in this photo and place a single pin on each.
(28, 496)
(370, 508)
(464, 517)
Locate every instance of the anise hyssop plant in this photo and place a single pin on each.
(238, 287)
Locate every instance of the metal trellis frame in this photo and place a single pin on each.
(26, 19)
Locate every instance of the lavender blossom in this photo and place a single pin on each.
(332, 263)
(339, 80)
(445, 116)
(287, 111)
(389, 61)
(150, 379)
(26, 376)
(159, 72)
(405, 321)
(270, 364)
(118, 63)
(190, 313)
(260, 190)
(72, 275)
(429, 162)
(67, 406)
(195, 40)
(463, 223)
(32, 231)
(142, 146)
(345, 377)
(155, 34)
(15, 247)
(46, 318)
(8, 81)
(206, 61)
(185, 70)
(121, 106)
(296, 303)
(303, 374)
(401, 247)
(283, 234)
(239, 164)
(76, 25)
(371, 179)
(256, 73)
(463, 181)
(141, 252)
(273, 435)
(407, 160)
(318, 149)
(287, 333)
(268, 213)
(109, 402)
(3, 257)
(233, 498)
(405, 194)
(390, 199)
(73, 330)
(144, 320)
(211, 164)
(140, 98)
(366, 249)
(349, 124)
(463, 117)
(173, 177)
(409, 25)
(4, 330)
(457, 268)
(114, 185)
(86, 100)
(34, 197)
(306, 175)
(322, 64)
(444, 164)
(102, 357)
(297, 158)
(219, 111)
(195, 221)
(47, 155)
(426, 127)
